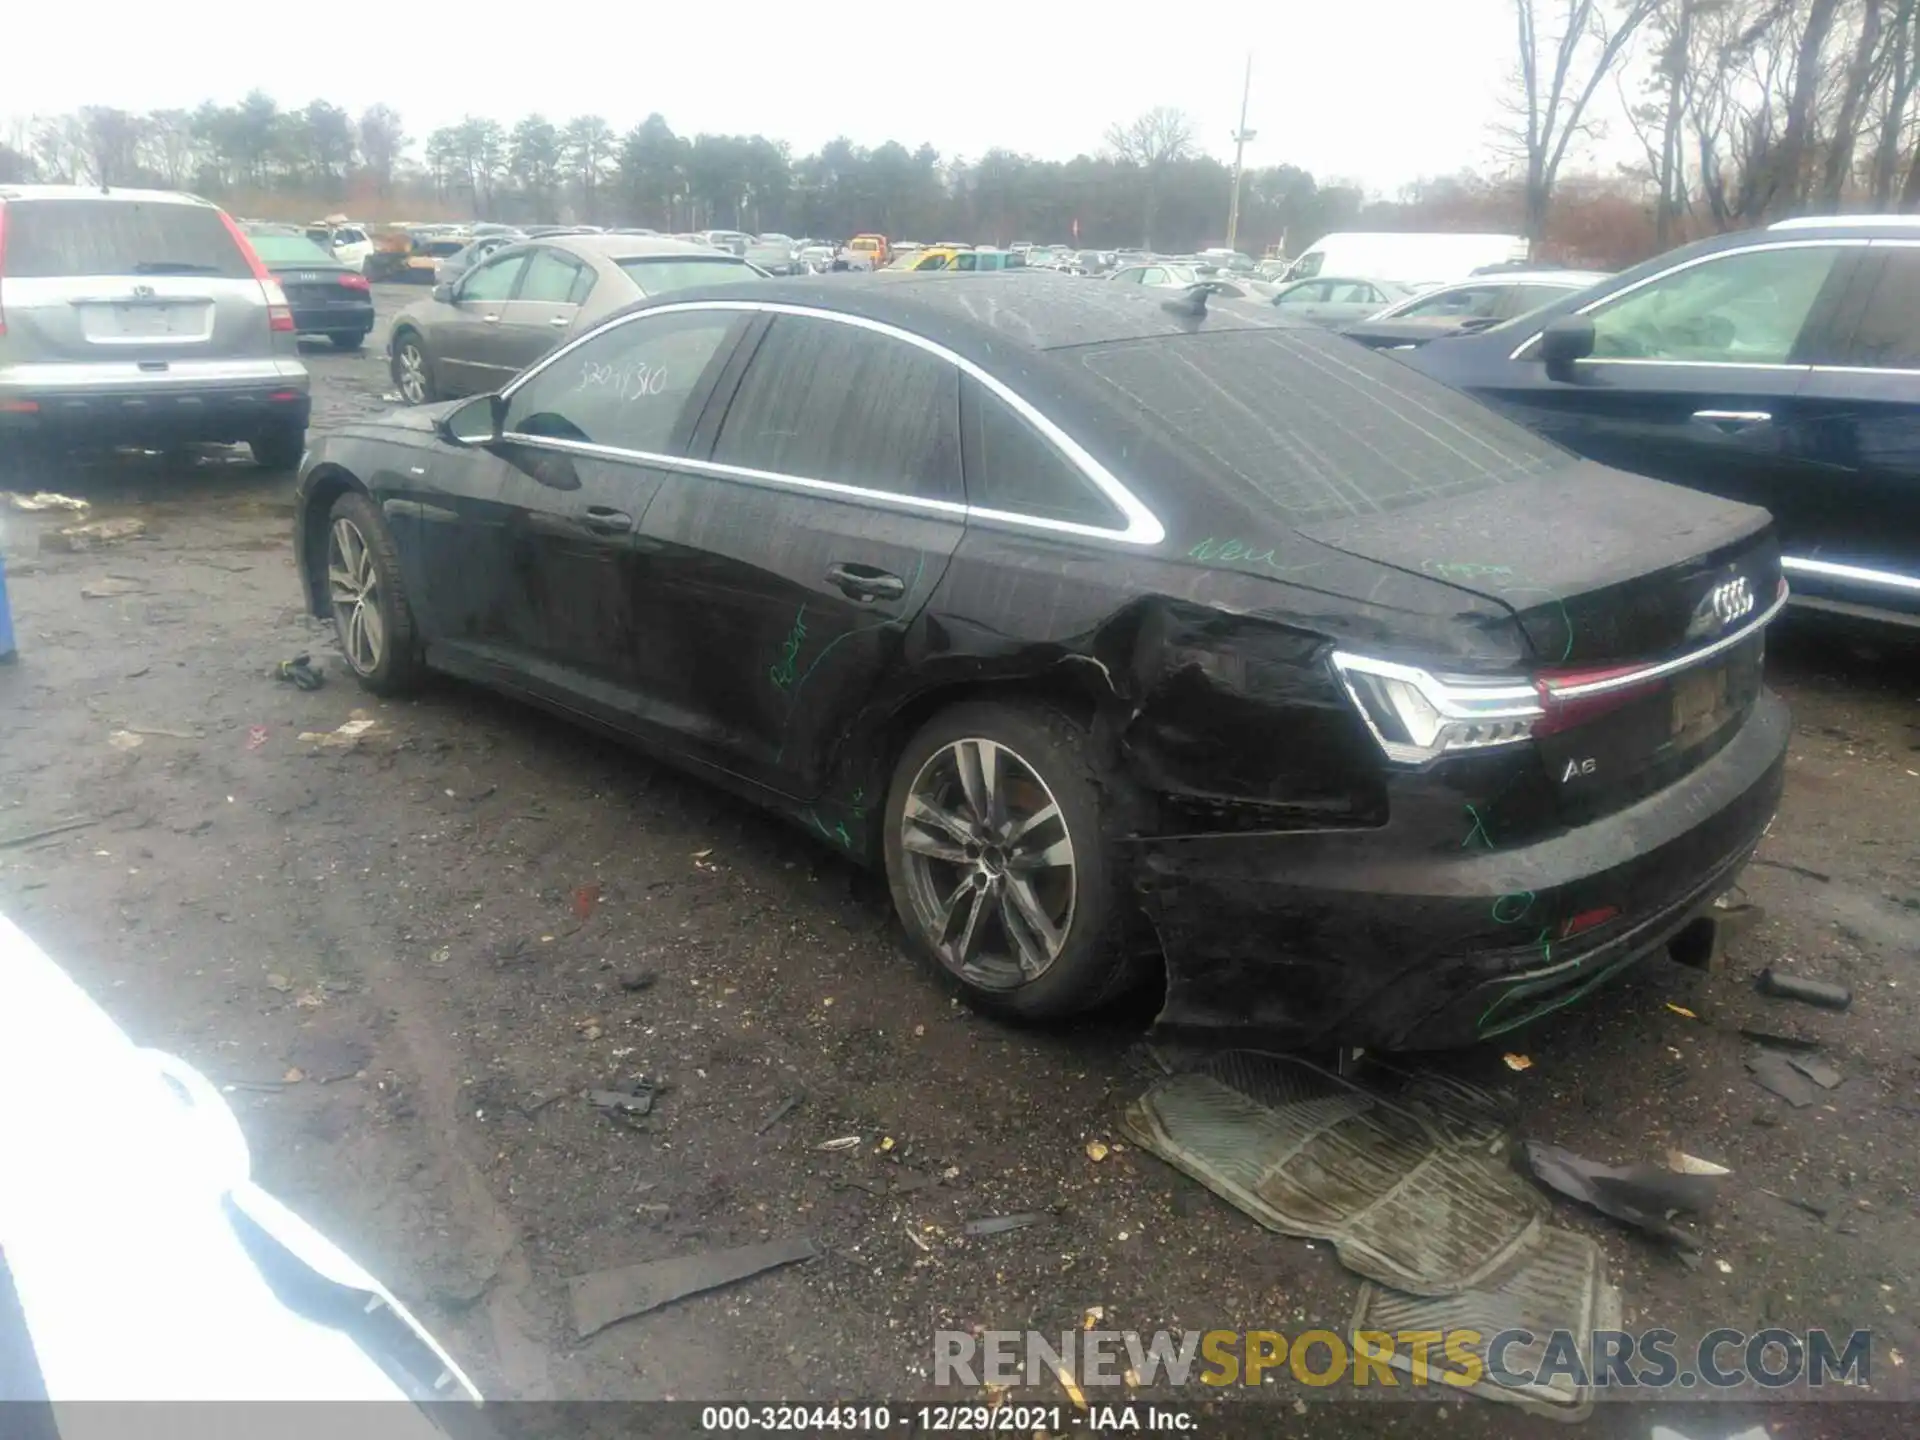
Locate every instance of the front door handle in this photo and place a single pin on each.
(491, 319)
(604, 521)
(1732, 420)
(863, 582)
(560, 321)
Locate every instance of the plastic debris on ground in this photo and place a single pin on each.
(346, 736)
(1774, 1071)
(1000, 1224)
(630, 1102)
(300, 671)
(1817, 1070)
(605, 1296)
(47, 500)
(111, 587)
(1781, 986)
(1410, 1187)
(1558, 1285)
(1643, 1196)
(779, 1112)
(93, 534)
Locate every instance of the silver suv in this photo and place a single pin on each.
(140, 317)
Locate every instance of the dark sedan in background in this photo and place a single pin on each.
(1090, 618)
(1780, 367)
(478, 332)
(328, 297)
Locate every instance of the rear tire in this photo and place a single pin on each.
(412, 371)
(280, 448)
(1003, 880)
(348, 339)
(372, 618)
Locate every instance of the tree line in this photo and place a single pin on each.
(1740, 111)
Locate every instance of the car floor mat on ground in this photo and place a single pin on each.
(1558, 1285)
(1413, 1189)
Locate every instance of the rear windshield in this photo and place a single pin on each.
(289, 250)
(1315, 424)
(119, 237)
(655, 274)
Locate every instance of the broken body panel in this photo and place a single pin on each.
(1304, 885)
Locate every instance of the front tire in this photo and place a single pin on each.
(372, 618)
(279, 448)
(412, 376)
(998, 864)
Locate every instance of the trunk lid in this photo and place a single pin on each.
(1641, 603)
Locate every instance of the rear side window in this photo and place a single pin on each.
(1014, 468)
(829, 401)
(48, 238)
(1888, 334)
(1317, 426)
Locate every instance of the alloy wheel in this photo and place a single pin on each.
(988, 863)
(354, 584)
(410, 373)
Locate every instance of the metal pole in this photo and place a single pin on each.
(1240, 138)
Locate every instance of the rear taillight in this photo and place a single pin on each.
(279, 313)
(1417, 717)
(355, 282)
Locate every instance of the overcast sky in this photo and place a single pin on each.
(1381, 93)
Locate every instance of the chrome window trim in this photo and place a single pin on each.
(1143, 526)
(1630, 678)
(1859, 574)
(1658, 275)
(1863, 370)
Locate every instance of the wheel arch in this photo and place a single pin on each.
(325, 485)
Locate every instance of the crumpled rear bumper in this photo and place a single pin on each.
(1312, 937)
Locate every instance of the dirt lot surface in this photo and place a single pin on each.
(410, 956)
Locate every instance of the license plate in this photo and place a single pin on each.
(115, 320)
(145, 320)
(1697, 698)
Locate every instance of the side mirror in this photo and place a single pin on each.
(443, 292)
(1564, 341)
(477, 422)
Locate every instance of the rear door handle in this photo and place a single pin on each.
(491, 319)
(1731, 420)
(559, 321)
(604, 521)
(864, 582)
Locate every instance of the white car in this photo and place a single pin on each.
(139, 1261)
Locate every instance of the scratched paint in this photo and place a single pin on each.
(1213, 551)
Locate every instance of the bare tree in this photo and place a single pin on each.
(1153, 141)
(1558, 76)
(1897, 76)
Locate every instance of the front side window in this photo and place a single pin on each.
(1747, 308)
(493, 280)
(628, 387)
(1311, 294)
(828, 401)
(1129, 277)
(1478, 300)
(1012, 467)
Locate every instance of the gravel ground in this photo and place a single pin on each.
(411, 955)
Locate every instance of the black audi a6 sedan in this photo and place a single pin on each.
(1098, 619)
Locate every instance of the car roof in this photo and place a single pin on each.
(978, 313)
(94, 192)
(629, 247)
(1531, 277)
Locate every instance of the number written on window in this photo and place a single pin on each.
(628, 387)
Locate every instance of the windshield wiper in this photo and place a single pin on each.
(173, 267)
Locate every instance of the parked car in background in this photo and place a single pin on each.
(414, 256)
(209, 1289)
(1161, 274)
(870, 252)
(449, 268)
(1413, 259)
(1331, 300)
(776, 254)
(1228, 261)
(477, 333)
(1780, 367)
(1415, 726)
(1467, 305)
(817, 255)
(329, 297)
(347, 241)
(734, 242)
(140, 317)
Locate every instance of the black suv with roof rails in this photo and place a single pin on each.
(1778, 366)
